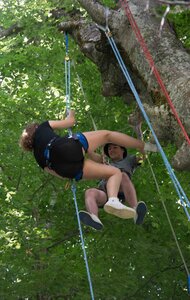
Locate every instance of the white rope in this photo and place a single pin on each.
(84, 95)
(163, 19)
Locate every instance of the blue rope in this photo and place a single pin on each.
(188, 284)
(73, 186)
(67, 42)
(182, 196)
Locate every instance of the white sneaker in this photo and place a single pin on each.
(116, 208)
(148, 147)
(90, 220)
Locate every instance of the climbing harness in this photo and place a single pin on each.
(150, 60)
(85, 146)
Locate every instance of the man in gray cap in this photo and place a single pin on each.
(97, 197)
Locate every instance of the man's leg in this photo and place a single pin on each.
(94, 170)
(94, 198)
(129, 191)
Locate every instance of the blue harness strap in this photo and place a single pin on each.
(82, 139)
(47, 152)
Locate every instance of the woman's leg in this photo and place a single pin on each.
(93, 170)
(101, 137)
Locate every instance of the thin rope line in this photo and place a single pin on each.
(67, 79)
(140, 134)
(168, 218)
(73, 186)
(84, 95)
(82, 90)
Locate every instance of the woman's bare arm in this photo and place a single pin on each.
(68, 122)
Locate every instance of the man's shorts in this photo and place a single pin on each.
(102, 187)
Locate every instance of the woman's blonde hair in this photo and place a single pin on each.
(27, 137)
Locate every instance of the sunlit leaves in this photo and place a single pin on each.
(40, 246)
(180, 21)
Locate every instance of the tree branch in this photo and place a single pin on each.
(95, 10)
(72, 234)
(70, 25)
(69, 236)
(187, 2)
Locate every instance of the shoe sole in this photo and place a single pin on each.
(127, 213)
(86, 219)
(141, 212)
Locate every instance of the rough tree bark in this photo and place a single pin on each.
(170, 57)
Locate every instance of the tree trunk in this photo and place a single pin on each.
(171, 60)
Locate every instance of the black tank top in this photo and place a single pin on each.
(43, 135)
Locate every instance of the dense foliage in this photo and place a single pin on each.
(41, 255)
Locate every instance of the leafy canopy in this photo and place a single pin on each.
(40, 247)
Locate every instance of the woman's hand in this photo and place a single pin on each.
(66, 123)
(71, 118)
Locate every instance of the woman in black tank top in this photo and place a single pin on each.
(64, 156)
